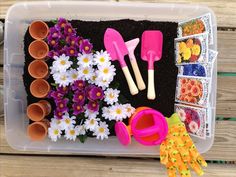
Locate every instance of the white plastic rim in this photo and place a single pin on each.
(14, 92)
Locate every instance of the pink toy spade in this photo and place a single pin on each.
(151, 51)
(131, 45)
(117, 49)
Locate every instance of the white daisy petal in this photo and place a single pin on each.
(67, 121)
(102, 131)
(101, 58)
(118, 111)
(89, 113)
(107, 114)
(129, 110)
(111, 96)
(62, 78)
(91, 124)
(80, 129)
(106, 72)
(61, 63)
(73, 75)
(85, 73)
(54, 133)
(71, 134)
(85, 60)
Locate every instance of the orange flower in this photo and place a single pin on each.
(187, 98)
(183, 81)
(193, 100)
(195, 91)
(189, 87)
(193, 82)
(181, 97)
(183, 91)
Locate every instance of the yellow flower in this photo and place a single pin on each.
(182, 47)
(187, 54)
(196, 49)
(179, 58)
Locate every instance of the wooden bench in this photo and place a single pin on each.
(30, 164)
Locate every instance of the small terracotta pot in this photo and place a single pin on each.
(38, 69)
(38, 111)
(39, 88)
(38, 29)
(38, 49)
(37, 131)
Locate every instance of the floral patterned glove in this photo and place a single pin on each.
(177, 151)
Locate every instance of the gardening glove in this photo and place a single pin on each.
(177, 151)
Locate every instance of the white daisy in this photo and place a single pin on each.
(104, 83)
(93, 78)
(61, 63)
(107, 114)
(67, 121)
(71, 133)
(89, 113)
(129, 109)
(111, 96)
(101, 58)
(73, 74)
(80, 129)
(106, 71)
(85, 73)
(85, 60)
(54, 133)
(91, 124)
(53, 70)
(62, 78)
(55, 123)
(118, 111)
(102, 131)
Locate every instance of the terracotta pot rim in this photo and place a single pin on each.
(42, 124)
(43, 95)
(42, 42)
(34, 76)
(38, 21)
(41, 107)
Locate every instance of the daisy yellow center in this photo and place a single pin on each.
(80, 97)
(85, 60)
(56, 132)
(128, 109)
(86, 48)
(106, 71)
(111, 95)
(118, 111)
(99, 94)
(63, 78)
(72, 132)
(102, 59)
(85, 71)
(74, 76)
(67, 121)
(92, 122)
(101, 130)
(78, 107)
(72, 51)
(63, 62)
(93, 78)
(61, 105)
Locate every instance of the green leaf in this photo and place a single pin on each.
(54, 84)
(54, 21)
(82, 138)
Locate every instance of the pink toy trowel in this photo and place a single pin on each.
(117, 49)
(151, 51)
(131, 45)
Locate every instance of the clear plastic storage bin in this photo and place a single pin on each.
(18, 18)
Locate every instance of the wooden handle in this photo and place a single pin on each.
(151, 95)
(132, 87)
(138, 76)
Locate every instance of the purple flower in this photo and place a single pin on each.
(55, 33)
(56, 95)
(79, 41)
(53, 42)
(86, 46)
(71, 51)
(58, 114)
(78, 85)
(93, 106)
(77, 108)
(63, 90)
(72, 41)
(62, 22)
(95, 93)
(69, 30)
(79, 97)
(52, 53)
(62, 105)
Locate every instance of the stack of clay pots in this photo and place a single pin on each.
(39, 88)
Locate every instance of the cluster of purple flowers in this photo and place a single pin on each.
(62, 39)
(83, 93)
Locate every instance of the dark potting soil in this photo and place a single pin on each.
(165, 69)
